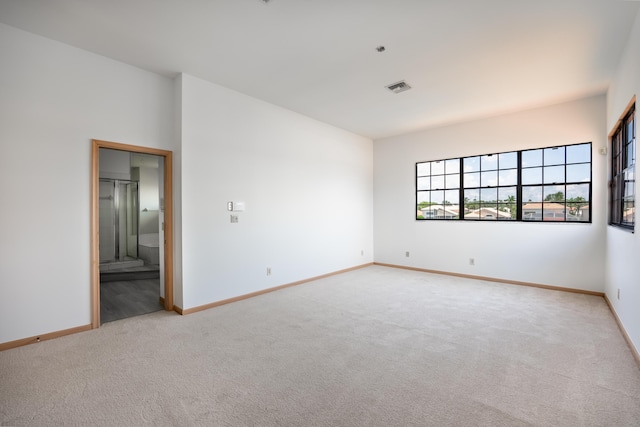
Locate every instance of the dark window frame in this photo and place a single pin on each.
(573, 210)
(623, 164)
(490, 179)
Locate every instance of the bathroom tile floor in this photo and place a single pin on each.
(120, 299)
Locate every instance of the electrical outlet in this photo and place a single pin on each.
(234, 218)
(407, 254)
(618, 293)
(362, 252)
(472, 261)
(268, 271)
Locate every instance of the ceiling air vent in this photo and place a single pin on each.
(398, 87)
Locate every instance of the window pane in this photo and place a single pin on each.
(630, 155)
(472, 179)
(439, 212)
(532, 212)
(424, 197)
(437, 197)
(451, 198)
(531, 158)
(629, 175)
(532, 176)
(553, 193)
(508, 160)
(554, 156)
(579, 212)
(506, 212)
(452, 166)
(507, 194)
(578, 206)
(471, 202)
(629, 188)
(580, 153)
(489, 162)
(423, 169)
(552, 211)
(489, 179)
(424, 200)
(452, 181)
(507, 197)
(629, 212)
(531, 194)
(437, 168)
(472, 164)
(471, 196)
(424, 183)
(553, 174)
(437, 182)
(579, 173)
(487, 212)
(508, 177)
(489, 195)
(578, 192)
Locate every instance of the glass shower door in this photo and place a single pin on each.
(118, 216)
(107, 221)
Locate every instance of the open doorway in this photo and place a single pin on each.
(131, 222)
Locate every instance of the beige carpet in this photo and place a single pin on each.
(373, 347)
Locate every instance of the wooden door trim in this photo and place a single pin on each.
(95, 224)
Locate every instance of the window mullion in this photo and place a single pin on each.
(519, 201)
(461, 205)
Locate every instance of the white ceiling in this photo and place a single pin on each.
(464, 58)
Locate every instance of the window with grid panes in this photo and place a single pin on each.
(623, 160)
(556, 184)
(438, 189)
(550, 184)
(490, 186)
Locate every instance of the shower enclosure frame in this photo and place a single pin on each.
(167, 261)
(132, 218)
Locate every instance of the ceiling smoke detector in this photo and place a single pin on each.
(398, 87)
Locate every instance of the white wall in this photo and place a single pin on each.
(560, 254)
(307, 188)
(54, 100)
(623, 247)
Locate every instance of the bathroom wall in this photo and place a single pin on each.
(115, 164)
(149, 201)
